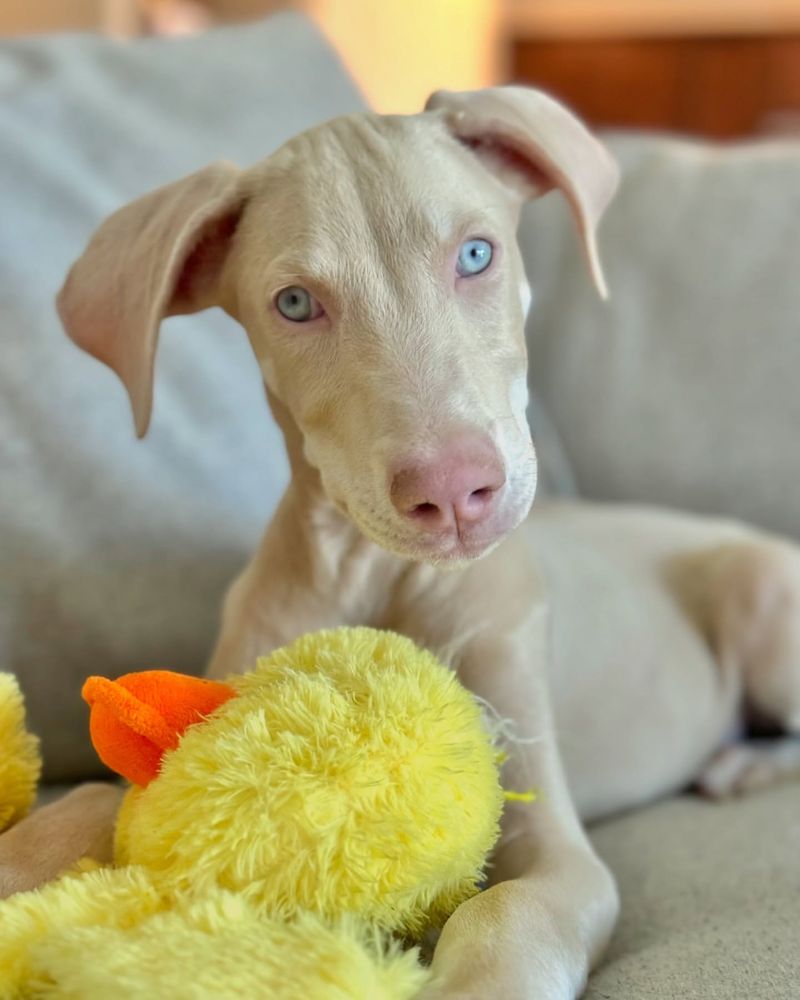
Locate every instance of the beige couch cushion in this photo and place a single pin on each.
(710, 900)
(683, 390)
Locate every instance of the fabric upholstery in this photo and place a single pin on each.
(682, 390)
(710, 900)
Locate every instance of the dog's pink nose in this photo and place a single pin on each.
(455, 490)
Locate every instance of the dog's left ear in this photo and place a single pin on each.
(534, 144)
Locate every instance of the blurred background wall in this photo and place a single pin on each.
(717, 68)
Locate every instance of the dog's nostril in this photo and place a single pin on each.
(480, 499)
(423, 509)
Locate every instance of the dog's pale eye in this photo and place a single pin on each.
(473, 257)
(298, 305)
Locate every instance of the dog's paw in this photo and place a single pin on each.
(742, 768)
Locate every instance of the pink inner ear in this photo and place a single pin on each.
(502, 157)
(203, 264)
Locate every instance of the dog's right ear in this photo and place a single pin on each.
(159, 256)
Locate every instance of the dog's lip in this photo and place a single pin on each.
(465, 552)
(449, 546)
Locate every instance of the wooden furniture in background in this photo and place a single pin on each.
(724, 70)
(114, 17)
(723, 88)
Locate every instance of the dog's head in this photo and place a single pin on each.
(373, 262)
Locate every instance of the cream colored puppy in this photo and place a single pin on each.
(373, 263)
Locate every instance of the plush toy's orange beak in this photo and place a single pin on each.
(135, 718)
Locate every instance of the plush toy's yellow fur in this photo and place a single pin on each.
(110, 934)
(103, 899)
(348, 790)
(20, 763)
(351, 774)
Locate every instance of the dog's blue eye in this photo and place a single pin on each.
(473, 257)
(298, 305)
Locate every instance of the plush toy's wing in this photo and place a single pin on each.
(139, 716)
(20, 760)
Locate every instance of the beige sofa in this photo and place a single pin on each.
(683, 390)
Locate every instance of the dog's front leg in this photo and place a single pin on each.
(546, 919)
(46, 843)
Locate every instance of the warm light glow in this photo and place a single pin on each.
(399, 51)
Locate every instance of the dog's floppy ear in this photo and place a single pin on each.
(534, 144)
(159, 256)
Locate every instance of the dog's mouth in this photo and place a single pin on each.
(451, 551)
(456, 554)
(460, 546)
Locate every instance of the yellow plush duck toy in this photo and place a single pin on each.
(286, 835)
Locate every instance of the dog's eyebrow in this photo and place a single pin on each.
(315, 269)
(466, 225)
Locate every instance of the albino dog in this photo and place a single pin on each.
(373, 263)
